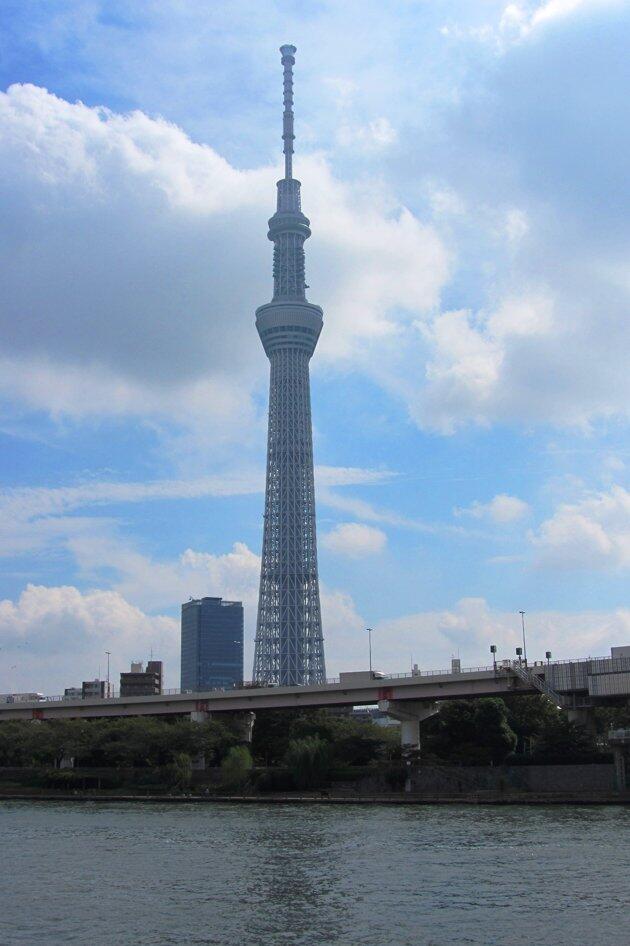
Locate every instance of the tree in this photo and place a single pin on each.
(217, 738)
(472, 731)
(236, 768)
(352, 741)
(492, 730)
(272, 734)
(13, 739)
(48, 743)
(308, 760)
(564, 741)
(528, 716)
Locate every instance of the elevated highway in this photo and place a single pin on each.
(352, 689)
(574, 685)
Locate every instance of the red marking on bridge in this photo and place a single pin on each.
(38, 714)
(386, 693)
(201, 706)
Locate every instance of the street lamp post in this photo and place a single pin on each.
(493, 651)
(522, 614)
(369, 630)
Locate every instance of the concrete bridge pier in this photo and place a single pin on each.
(619, 742)
(410, 715)
(199, 715)
(247, 721)
(583, 716)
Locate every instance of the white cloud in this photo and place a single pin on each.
(516, 224)
(556, 9)
(362, 509)
(128, 296)
(558, 353)
(462, 373)
(34, 517)
(521, 316)
(326, 476)
(56, 637)
(355, 540)
(468, 629)
(53, 637)
(523, 361)
(500, 509)
(377, 133)
(591, 533)
(518, 20)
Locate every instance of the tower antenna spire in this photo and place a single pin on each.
(288, 61)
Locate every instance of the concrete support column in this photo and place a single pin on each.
(248, 720)
(622, 767)
(410, 714)
(584, 716)
(410, 734)
(199, 716)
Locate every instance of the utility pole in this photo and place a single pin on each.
(108, 656)
(522, 614)
(369, 630)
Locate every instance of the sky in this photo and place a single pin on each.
(464, 168)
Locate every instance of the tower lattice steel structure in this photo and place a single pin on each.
(289, 643)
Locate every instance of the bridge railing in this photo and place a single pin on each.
(501, 666)
(437, 673)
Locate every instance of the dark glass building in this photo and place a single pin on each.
(212, 644)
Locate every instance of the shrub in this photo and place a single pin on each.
(308, 760)
(236, 768)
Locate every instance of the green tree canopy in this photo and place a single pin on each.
(236, 768)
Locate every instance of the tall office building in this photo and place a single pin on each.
(289, 644)
(212, 644)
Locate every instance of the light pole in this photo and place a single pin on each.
(548, 656)
(369, 630)
(108, 656)
(522, 614)
(493, 651)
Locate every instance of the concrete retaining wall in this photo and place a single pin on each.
(596, 777)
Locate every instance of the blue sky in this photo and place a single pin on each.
(464, 167)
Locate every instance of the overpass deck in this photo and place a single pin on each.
(571, 684)
(353, 689)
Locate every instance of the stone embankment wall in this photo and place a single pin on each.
(432, 779)
(596, 777)
(427, 779)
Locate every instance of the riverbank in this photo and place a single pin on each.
(476, 798)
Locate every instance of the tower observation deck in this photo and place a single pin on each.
(289, 645)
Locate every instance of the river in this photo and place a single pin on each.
(272, 875)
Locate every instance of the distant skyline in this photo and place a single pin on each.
(465, 164)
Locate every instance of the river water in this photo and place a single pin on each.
(271, 875)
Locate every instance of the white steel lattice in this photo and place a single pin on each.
(289, 643)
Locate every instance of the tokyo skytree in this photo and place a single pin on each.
(289, 644)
